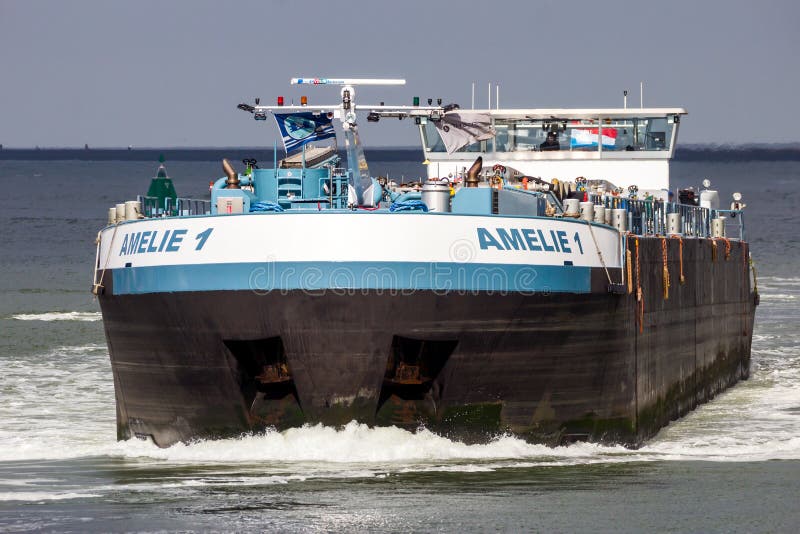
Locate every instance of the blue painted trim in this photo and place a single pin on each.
(389, 276)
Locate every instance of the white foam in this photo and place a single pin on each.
(360, 451)
(778, 296)
(60, 403)
(43, 496)
(779, 279)
(354, 443)
(59, 316)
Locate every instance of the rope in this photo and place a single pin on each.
(267, 206)
(630, 270)
(599, 252)
(639, 295)
(745, 256)
(680, 254)
(99, 283)
(665, 272)
(727, 247)
(409, 205)
(755, 274)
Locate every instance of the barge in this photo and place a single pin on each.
(553, 294)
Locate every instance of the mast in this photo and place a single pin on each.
(360, 178)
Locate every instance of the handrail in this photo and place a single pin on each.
(649, 216)
(173, 207)
(733, 219)
(338, 184)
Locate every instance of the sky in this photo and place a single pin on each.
(170, 73)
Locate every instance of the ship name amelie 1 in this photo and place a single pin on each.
(529, 239)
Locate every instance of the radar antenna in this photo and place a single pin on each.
(356, 160)
(345, 111)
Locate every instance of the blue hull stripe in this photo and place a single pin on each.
(389, 276)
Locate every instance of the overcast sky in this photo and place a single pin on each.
(170, 73)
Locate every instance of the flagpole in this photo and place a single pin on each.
(275, 165)
(303, 169)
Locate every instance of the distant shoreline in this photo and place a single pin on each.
(782, 152)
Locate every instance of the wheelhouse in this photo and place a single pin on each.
(618, 145)
(584, 132)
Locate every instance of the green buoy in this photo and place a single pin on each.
(161, 186)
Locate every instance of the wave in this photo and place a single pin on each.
(353, 443)
(424, 450)
(357, 450)
(58, 316)
(791, 280)
(777, 296)
(44, 496)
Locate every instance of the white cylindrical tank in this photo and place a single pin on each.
(572, 207)
(436, 195)
(600, 214)
(120, 212)
(709, 199)
(132, 210)
(609, 213)
(619, 219)
(718, 227)
(587, 211)
(674, 224)
(112, 215)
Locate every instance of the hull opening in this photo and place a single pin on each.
(412, 387)
(268, 389)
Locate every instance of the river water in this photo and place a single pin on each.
(731, 465)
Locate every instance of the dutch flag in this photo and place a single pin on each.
(587, 137)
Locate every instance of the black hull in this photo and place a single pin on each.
(547, 367)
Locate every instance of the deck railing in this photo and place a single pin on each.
(734, 222)
(648, 217)
(173, 207)
(645, 217)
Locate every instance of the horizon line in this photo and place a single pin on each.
(717, 146)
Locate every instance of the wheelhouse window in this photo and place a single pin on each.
(576, 135)
(637, 133)
(431, 138)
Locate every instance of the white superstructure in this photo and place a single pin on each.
(623, 146)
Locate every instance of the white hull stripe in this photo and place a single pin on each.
(358, 237)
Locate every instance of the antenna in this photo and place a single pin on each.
(360, 180)
(641, 94)
(497, 95)
(625, 99)
(347, 81)
(473, 95)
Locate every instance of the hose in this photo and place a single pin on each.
(409, 205)
(264, 206)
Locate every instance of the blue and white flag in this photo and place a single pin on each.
(298, 129)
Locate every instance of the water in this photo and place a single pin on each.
(732, 465)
